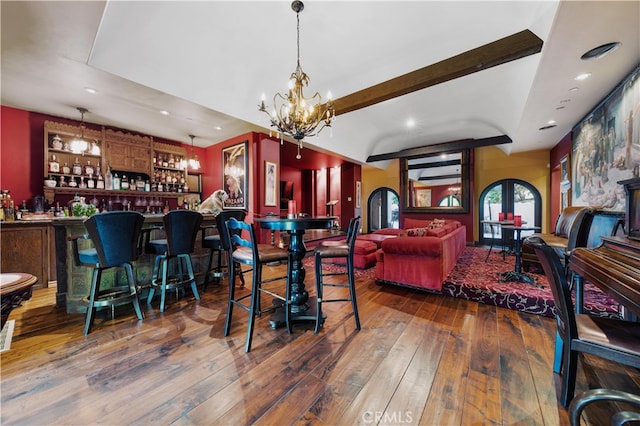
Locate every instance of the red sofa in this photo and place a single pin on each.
(422, 255)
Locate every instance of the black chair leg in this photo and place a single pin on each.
(254, 306)
(231, 298)
(352, 291)
(207, 273)
(319, 292)
(569, 376)
(132, 287)
(91, 309)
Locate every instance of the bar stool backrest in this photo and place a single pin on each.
(181, 228)
(221, 220)
(115, 236)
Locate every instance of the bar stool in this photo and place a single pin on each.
(216, 243)
(181, 228)
(248, 252)
(115, 238)
(333, 251)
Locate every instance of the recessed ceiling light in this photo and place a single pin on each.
(551, 122)
(217, 127)
(582, 76)
(164, 112)
(564, 101)
(411, 122)
(600, 51)
(547, 127)
(90, 90)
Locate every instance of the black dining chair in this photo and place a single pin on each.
(218, 245)
(594, 396)
(337, 251)
(246, 251)
(115, 237)
(611, 339)
(181, 229)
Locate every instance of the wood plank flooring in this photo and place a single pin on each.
(420, 358)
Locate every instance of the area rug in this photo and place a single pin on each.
(474, 279)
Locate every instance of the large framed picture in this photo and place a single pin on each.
(270, 179)
(606, 148)
(234, 169)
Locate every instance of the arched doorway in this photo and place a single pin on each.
(383, 208)
(508, 195)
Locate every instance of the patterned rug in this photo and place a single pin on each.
(474, 279)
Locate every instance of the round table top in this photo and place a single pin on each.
(15, 281)
(296, 224)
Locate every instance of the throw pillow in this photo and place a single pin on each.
(417, 232)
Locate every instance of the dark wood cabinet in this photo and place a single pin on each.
(27, 247)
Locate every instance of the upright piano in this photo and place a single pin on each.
(614, 267)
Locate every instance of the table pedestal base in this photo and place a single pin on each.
(310, 314)
(512, 276)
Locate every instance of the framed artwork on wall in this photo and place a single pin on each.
(234, 169)
(358, 193)
(270, 179)
(606, 148)
(565, 182)
(423, 197)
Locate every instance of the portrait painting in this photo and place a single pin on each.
(234, 169)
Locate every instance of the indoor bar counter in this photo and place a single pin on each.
(73, 281)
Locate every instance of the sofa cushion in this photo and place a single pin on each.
(438, 232)
(416, 223)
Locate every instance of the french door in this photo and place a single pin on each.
(508, 196)
(383, 209)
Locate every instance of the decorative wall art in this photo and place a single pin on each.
(234, 169)
(270, 179)
(606, 148)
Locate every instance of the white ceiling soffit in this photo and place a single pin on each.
(225, 55)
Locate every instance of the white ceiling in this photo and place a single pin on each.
(209, 62)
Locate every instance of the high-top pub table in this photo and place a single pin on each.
(303, 308)
(15, 288)
(517, 274)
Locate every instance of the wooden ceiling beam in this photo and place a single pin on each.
(441, 147)
(510, 48)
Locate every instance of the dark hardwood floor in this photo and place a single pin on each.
(419, 359)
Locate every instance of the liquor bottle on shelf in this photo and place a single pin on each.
(147, 186)
(88, 169)
(91, 183)
(100, 182)
(77, 168)
(66, 169)
(124, 183)
(172, 161)
(108, 179)
(165, 162)
(54, 165)
(116, 182)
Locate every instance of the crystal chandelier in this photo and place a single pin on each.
(194, 163)
(295, 115)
